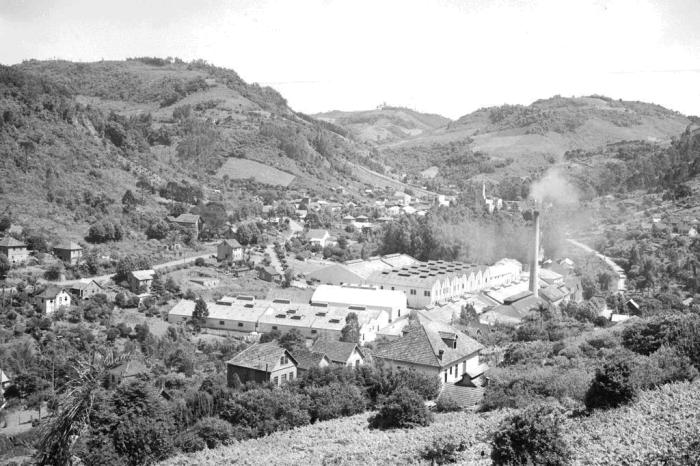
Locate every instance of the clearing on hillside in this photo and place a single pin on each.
(238, 169)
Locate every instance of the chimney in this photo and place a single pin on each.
(534, 262)
(440, 353)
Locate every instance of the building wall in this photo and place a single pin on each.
(283, 375)
(52, 305)
(15, 255)
(355, 359)
(236, 325)
(449, 374)
(71, 257)
(245, 375)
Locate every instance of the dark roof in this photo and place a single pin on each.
(50, 292)
(271, 270)
(261, 356)
(308, 359)
(186, 218)
(10, 242)
(84, 285)
(130, 368)
(554, 293)
(465, 397)
(336, 273)
(233, 243)
(337, 351)
(68, 246)
(421, 344)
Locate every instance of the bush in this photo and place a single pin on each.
(214, 431)
(200, 262)
(404, 409)
(105, 230)
(531, 437)
(335, 400)
(427, 386)
(612, 386)
(189, 442)
(446, 404)
(443, 451)
(157, 230)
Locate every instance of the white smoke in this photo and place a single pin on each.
(554, 188)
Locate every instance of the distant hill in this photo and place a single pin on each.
(73, 131)
(385, 124)
(517, 140)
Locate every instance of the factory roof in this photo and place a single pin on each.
(335, 274)
(359, 296)
(423, 274)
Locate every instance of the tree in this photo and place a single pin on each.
(200, 313)
(158, 229)
(270, 336)
(54, 271)
(157, 287)
(171, 285)
(5, 223)
(351, 332)
(403, 409)
(468, 315)
(129, 201)
(293, 341)
(128, 264)
(5, 265)
(612, 386)
(531, 437)
(288, 277)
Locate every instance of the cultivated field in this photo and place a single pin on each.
(238, 169)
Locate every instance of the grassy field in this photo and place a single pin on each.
(237, 169)
(658, 420)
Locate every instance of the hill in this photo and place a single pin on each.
(633, 434)
(385, 124)
(517, 140)
(76, 136)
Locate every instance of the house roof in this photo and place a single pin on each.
(82, 285)
(10, 242)
(50, 292)
(308, 359)
(421, 344)
(271, 270)
(68, 246)
(261, 356)
(130, 368)
(337, 351)
(186, 218)
(336, 273)
(143, 274)
(317, 234)
(232, 243)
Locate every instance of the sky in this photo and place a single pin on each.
(442, 56)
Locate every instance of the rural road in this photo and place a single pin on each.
(622, 277)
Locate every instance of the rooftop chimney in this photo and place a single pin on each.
(440, 353)
(534, 262)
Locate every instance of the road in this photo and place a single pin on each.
(622, 276)
(103, 278)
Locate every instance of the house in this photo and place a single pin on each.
(362, 219)
(53, 298)
(15, 251)
(318, 236)
(401, 198)
(348, 220)
(262, 363)
(69, 252)
(86, 289)
(229, 250)
(189, 221)
(513, 309)
(129, 370)
(140, 280)
(269, 274)
(435, 349)
(340, 353)
(307, 360)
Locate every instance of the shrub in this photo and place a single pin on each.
(404, 409)
(443, 451)
(427, 386)
(200, 262)
(446, 404)
(157, 230)
(612, 386)
(189, 442)
(335, 400)
(103, 231)
(214, 431)
(531, 437)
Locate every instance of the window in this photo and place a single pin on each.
(413, 292)
(313, 331)
(450, 370)
(284, 378)
(291, 376)
(240, 324)
(274, 327)
(275, 381)
(426, 293)
(221, 322)
(284, 360)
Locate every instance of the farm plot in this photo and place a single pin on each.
(238, 169)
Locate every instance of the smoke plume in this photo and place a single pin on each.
(554, 188)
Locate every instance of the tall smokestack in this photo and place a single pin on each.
(534, 262)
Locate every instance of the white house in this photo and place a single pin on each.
(53, 298)
(318, 236)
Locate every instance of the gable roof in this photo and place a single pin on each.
(50, 292)
(422, 342)
(82, 285)
(261, 356)
(336, 273)
(10, 242)
(232, 243)
(143, 274)
(317, 234)
(186, 218)
(68, 246)
(308, 359)
(337, 351)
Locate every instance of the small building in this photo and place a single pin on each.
(262, 363)
(52, 299)
(340, 353)
(362, 219)
(86, 289)
(318, 236)
(348, 220)
(140, 280)
(229, 250)
(307, 360)
(189, 221)
(126, 371)
(16, 251)
(69, 252)
(269, 274)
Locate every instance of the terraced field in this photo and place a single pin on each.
(238, 169)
